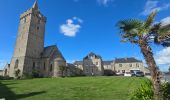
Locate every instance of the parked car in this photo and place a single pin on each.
(139, 74)
(128, 74)
(119, 74)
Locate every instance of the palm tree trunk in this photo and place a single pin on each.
(148, 55)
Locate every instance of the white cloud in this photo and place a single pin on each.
(104, 2)
(152, 5)
(165, 21)
(163, 57)
(71, 27)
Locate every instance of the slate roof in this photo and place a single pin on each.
(48, 51)
(92, 54)
(78, 63)
(107, 62)
(126, 60)
(70, 65)
(52, 51)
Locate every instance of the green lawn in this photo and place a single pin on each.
(75, 88)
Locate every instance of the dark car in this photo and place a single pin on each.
(139, 74)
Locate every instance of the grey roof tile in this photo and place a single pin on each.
(126, 60)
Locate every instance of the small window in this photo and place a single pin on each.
(16, 63)
(97, 63)
(44, 66)
(86, 70)
(137, 65)
(51, 68)
(120, 65)
(130, 65)
(38, 21)
(25, 20)
(33, 65)
(38, 28)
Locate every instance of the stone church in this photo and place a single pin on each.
(29, 53)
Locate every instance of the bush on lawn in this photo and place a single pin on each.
(6, 78)
(144, 92)
(166, 91)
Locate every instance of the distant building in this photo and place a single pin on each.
(128, 65)
(78, 64)
(73, 70)
(6, 70)
(93, 64)
(108, 65)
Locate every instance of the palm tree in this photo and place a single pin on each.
(143, 33)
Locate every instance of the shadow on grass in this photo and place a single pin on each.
(6, 93)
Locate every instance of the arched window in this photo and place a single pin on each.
(16, 64)
(5, 71)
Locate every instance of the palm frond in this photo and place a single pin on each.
(149, 20)
(154, 29)
(162, 39)
(164, 30)
(166, 44)
(130, 26)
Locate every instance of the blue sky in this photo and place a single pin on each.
(82, 26)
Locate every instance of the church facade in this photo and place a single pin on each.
(30, 55)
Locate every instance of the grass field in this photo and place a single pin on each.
(75, 88)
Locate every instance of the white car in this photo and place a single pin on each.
(128, 74)
(119, 74)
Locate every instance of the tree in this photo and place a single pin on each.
(143, 33)
(62, 70)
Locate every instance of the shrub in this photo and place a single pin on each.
(166, 91)
(17, 74)
(144, 92)
(27, 76)
(6, 78)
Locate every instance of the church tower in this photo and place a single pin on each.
(30, 42)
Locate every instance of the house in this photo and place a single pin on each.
(128, 65)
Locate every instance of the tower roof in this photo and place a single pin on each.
(35, 5)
